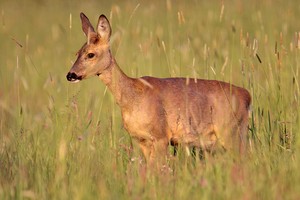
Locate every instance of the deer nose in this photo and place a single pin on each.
(73, 77)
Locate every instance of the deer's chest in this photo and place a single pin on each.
(137, 123)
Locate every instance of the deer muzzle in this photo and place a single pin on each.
(71, 76)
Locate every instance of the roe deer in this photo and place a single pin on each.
(159, 111)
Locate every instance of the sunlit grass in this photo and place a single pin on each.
(66, 141)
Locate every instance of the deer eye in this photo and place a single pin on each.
(90, 55)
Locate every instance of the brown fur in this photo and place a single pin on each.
(157, 111)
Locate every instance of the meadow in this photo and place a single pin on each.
(60, 140)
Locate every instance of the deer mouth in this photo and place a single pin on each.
(72, 77)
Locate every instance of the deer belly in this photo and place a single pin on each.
(203, 135)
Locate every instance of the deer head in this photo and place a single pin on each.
(94, 56)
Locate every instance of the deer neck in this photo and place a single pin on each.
(116, 81)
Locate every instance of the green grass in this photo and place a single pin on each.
(65, 141)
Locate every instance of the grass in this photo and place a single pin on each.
(65, 141)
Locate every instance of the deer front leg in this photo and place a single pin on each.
(159, 151)
(155, 151)
(146, 147)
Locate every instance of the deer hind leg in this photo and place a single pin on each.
(243, 140)
(236, 137)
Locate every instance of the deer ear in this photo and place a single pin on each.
(86, 25)
(103, 28)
